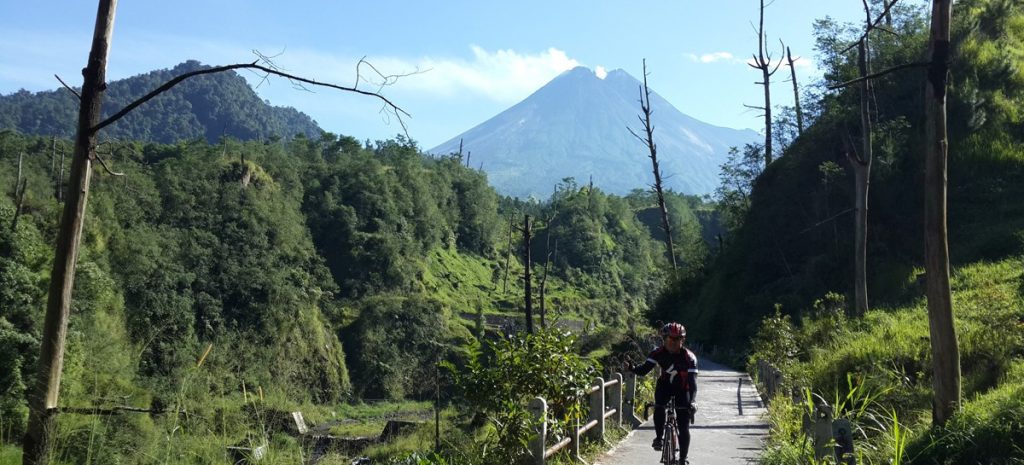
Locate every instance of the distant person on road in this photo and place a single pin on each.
(678, 379)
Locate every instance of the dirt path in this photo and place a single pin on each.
(729, 429)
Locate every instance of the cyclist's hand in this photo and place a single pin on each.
(627, 367)
(693, 408)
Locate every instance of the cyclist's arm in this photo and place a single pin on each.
(691, 382)
(645, 367)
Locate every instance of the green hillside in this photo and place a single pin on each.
(204, 107)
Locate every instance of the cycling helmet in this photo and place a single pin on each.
(673, 330)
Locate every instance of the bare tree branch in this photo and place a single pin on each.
(105, 167)
(112, 410)
(398, 112)
(873, 25)
(916, 64)
(66, 86)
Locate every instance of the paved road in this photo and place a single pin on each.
(729, 428)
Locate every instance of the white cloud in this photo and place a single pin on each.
(710, 57)
(502, 75)
(600, 72)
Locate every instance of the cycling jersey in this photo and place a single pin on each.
(674, 367)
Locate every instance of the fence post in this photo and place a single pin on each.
(539, 408)
(576, 441)
(616, 398)
(628, 402)
(821, 432)
(597, 410)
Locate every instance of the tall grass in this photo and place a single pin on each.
(876, 372)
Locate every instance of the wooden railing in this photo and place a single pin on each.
(608, 399)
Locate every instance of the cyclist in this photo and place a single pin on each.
(678, 379)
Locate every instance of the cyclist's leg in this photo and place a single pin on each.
(662, 392)
(683, 423)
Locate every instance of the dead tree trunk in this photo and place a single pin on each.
(38, 440)
(527, 279)
(648, 140)
(20, 184)
(796, 94)
(508, 256)
(862, 177)
(544, 281)
(59, 184)
(763, 62)
(945, 348)
(53, 155)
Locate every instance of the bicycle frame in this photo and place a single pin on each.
(669, 454)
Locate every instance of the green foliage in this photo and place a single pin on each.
(396, 344)
(876, 371)
(206, 107)
(775, 342)
(502, 376)
(737, 177)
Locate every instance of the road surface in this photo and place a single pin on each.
(730, 427)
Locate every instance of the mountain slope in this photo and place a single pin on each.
(208, 106)
(575, 126)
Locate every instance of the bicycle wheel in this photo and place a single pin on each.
(670, 447)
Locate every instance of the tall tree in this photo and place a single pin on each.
(527, 278)
(945, 349)
(860, 160)
(648, 140)
(796, 93)
(38, 440)
(43, 397)
(861, 163)
(763, 63)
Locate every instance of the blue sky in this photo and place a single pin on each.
(476, 58)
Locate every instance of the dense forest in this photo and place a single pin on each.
(318, 270)
(205, 107)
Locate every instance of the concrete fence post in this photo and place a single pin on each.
(629, 398)
(576, 441)
(539, 409)
(615, 396)
(597, 410)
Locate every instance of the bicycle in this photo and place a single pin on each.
(670, 443)
(669, 451)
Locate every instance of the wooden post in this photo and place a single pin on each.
(43, 398)
(615, 396)
(597, 410)
(539, 409)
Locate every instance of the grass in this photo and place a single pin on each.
(10, 455)
(884, 360)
